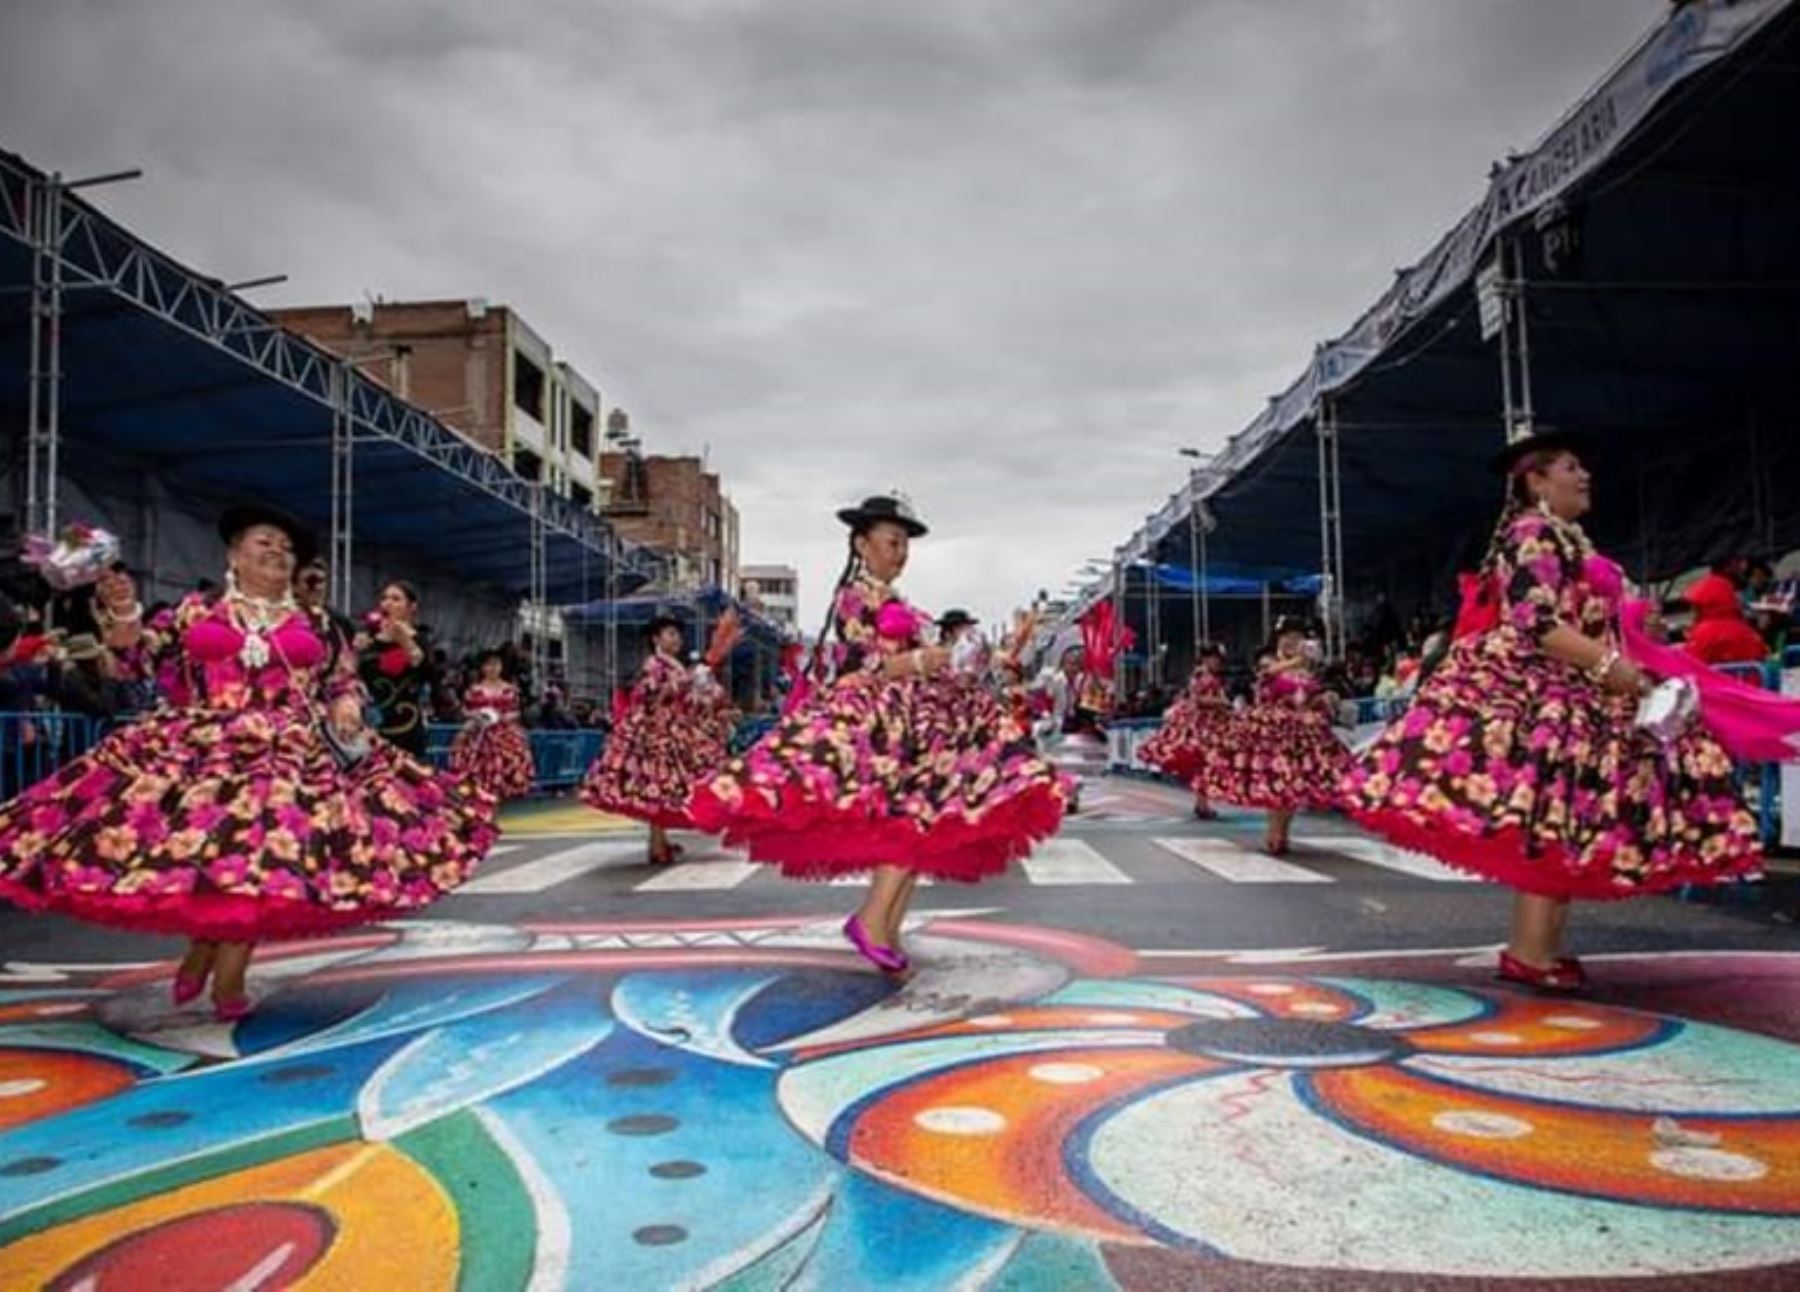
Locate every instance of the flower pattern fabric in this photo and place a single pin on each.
(494, 753)
(671, 736)
(1195, 729)
(1520, 768)
(933, 774)
(1280, 754)
(229, 818)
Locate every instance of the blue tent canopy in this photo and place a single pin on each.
(166, 371)
(1653, 231)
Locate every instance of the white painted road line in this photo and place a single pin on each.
(1070, 861)
(547, 872)
(699, 877)
(1373, 852)
(1229, 861)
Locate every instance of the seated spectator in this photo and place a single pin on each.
(1721, 634)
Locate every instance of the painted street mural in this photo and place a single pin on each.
(736, 1106)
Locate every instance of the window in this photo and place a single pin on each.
(527, 465)
(581, 496)
(528, 386)
(581, 431)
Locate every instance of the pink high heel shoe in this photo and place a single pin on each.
(232, 1009)
(883, 958)
(186, 987)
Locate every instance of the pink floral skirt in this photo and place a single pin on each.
(1277, 757)
(1517, 768)
(931, 775)
(652, 761)
(239, 826)
(1190, 736)
(497, 758)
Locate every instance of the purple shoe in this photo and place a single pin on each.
(883, 958)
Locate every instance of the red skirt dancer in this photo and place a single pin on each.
(493, 750)
(1522, 769)
(229, 819)
(1196, 729)
(673, 735)
(930, 774)
(1280, 754)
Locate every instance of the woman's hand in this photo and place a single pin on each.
(1625, 678)
(346, 715)
(932, 660)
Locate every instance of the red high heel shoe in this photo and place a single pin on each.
(1565, 976)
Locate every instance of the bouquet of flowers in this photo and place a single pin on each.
(74, 558)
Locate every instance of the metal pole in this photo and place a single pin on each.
(1527, 414)
(1205, 591)
(44, 398)
(539, 594)
(1330, 526)
(1194, 564)
(36, 207)
(343, 491)
(1506, 364)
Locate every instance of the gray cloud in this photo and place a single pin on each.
(1008, 254)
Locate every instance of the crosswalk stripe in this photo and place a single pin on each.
(547, 872)
(699, 877)
(1232, 862)
(1376, 853)
(863, 878)
(1057, 862)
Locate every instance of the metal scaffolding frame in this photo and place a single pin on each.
(1520, 416)
(74, 247)
(1331, 527)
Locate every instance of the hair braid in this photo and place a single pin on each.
(852, 566)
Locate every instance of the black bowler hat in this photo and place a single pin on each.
(1547, 439)
(1210, 650)
(955, 619)
(890, 507)
(235, 520)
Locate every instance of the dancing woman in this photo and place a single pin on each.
(493, 749)
(394, 659)
(897, 766)
(1521, 760)
(1280, 754)
(237, 816)
(1196, 728)
(673, 734)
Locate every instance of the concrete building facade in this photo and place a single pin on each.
(775, 590)
(482, 371)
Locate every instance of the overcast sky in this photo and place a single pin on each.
(1008, 256)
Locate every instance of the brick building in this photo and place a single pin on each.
(672, 504)
(481, 371)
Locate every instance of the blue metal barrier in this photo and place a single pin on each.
(33, 745)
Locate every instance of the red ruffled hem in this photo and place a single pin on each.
(1502, 858)
(666, 818)
(214, 917)
(811, 840)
